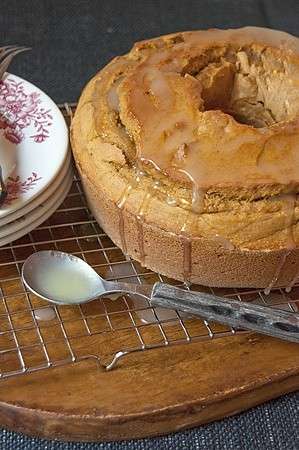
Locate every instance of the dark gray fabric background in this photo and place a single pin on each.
(70, 41)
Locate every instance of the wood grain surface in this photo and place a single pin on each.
(152, 393)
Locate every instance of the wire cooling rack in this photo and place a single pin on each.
(36, 336)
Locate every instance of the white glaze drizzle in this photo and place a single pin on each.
(121, 225)
(140, 218)
(290, 286)
(44, 314)
(288, 209)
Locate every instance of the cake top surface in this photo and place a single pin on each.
(215, 107)
(205, 124)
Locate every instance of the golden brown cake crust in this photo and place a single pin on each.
(243, 228)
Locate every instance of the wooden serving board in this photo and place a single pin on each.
(151, 393)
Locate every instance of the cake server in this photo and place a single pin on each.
(64, 279)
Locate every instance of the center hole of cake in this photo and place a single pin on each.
(251, 85)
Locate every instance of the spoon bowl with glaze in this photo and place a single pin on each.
(64, 279)
(61, 278)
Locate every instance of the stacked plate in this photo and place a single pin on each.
(34, 157)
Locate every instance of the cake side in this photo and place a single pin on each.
(199, 261)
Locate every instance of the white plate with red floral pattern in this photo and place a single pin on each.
(39, 215)
(33, 141)
(41, 198)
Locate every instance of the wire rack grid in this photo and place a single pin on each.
(36, 336)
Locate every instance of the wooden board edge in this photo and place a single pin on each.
(50, 425)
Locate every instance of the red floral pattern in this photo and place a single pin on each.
(20, 110)
(15, 187)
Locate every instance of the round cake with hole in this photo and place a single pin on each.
(188, 151)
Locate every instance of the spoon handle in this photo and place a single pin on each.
(126, 288)
(263, 319)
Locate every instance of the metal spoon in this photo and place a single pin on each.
(68, 280)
